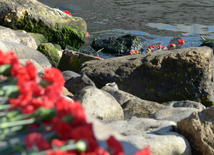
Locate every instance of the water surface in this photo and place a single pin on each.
(153, 21)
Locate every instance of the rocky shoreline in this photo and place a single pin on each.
(163, 99)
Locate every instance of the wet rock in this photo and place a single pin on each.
(172, 75)
(141, 108)
(25, 52)
(118, 45)
(160, 135)
(208, 43)
(100, 104)
(173, 114)
(21, 37)
(72, 60)
(186, 103)
(33, 16)
(198, 128)
(50, 52)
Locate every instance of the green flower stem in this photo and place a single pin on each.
(11, 124)
(19, 118)
(63, 148)
(13, 113)
(7, 106)
(203, 38)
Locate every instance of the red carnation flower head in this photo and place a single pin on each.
(36, 139)
(87, 35)
(145, 151)
(172, 45)
(152, 48)
(115, 146)
(97, 57)
(8, 58)
(159, 47)
(54, 75)
(164, 48)
(181, 42)
(67, 12)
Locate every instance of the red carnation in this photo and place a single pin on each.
(36, 139)
(145, 151)
(115, 146)
(67, 12)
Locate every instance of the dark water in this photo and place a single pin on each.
(153, 21)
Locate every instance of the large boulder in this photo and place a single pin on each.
(160, 135)
(118, 45)
(173, 114)
(100, 104)
(72, 60)
(21, 37)
(185, 103)
(25, 52)
(54, 24)
(179, 74)
(198, 128)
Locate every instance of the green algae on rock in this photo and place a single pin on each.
(118, 45)
(50, 52)
(54, 24)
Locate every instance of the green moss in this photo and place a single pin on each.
(63, 35)
(206, 102)
(50, 52)
(75, 62)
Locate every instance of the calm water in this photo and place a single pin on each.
(153, 21)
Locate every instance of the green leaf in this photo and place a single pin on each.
(68, 118)
(5, 69)
(44, 113)
(11, 91)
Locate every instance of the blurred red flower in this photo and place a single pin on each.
(67, 12)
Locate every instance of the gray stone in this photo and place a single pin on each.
(173, 114)
(198, 128)
(54, 24)
(72, 60)
(121, 96)
(24, 52)
(22, 37)
(70, 75)
(160, 135)
(172, 75)
(74, 85)
(185, 103)
(100, 104)
(141, 108)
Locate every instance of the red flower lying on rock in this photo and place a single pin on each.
(172, 45)
(67, 12)
(134, 52)
(181, 42)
